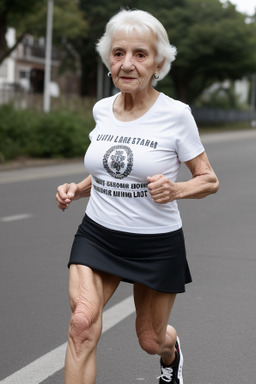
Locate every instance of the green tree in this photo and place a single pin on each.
(69, 26)
(97, 14)
(11, 13)
(214, 41)
(68, 23)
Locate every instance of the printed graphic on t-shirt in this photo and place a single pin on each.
(118, 161)
(138, 141)
(123, 154)
(120, 189)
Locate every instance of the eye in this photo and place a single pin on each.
(140, 56)
(118, 55)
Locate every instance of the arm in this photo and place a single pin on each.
(84, 187)
(66, 193)
(203, 183)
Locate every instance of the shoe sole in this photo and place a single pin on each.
(180, 363)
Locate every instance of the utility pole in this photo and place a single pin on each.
(48, 57)
(253, 91)
(253, 99)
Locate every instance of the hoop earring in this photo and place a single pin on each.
(156, 76)
(109, 74)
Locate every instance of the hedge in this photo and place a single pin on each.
(29, 133)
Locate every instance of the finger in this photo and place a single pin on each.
(153, 178)
(159, 199)
(154, 181)
(63, 207)
(62, 190)
(72, 191)
(62, 199)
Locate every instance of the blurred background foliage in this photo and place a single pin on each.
(27, 133)
(215, 42)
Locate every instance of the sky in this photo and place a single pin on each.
(246, 6)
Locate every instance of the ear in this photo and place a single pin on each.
(160, 65)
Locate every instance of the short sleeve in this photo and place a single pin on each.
(94, 131)
(188, 142)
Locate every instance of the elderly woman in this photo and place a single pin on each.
(132, 230)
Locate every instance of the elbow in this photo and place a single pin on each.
(215, 185)
(211, 187)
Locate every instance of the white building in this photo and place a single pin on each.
(23, 70)
(7, 69)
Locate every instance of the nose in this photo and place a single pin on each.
(127, 64)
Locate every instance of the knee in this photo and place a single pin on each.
(154, 342)
(150, 342)
(85, 326)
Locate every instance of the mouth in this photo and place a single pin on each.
(128, 78)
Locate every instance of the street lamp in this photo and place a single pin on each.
(48, 57)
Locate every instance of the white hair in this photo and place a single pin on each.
(143, 22)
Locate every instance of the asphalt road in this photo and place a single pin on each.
(215, 318)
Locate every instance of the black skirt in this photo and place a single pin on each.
(157, 261)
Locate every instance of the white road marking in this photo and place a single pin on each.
(22, 216)
(50, 363)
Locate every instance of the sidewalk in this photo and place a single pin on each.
(40, 169)
(29, 163)
(34, 169)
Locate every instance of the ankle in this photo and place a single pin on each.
(170, 363)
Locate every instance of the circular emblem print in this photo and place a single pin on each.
(118, 161)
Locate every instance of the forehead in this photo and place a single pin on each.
(134, 39)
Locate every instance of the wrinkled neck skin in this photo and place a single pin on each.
(131, 106)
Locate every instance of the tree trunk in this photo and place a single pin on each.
(5, 51)
(3, 44)
(88, 76)
(181, 89)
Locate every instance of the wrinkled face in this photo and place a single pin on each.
(132, 61)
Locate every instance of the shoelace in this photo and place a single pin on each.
(166, 374)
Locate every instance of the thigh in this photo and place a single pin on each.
(90, 287)
(153, 309)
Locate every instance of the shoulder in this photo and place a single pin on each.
(175, 111)
(173, 106)
(103, 104)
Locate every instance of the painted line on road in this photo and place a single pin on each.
(52, 362)
(22, 216)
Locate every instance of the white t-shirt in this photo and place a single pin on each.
(121, 156)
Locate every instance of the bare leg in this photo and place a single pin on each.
(89, 291)
(153, 311)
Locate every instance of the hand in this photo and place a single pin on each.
(66, 193)
(161, 189)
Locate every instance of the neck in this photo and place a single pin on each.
(138, 101)
(130, 106)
